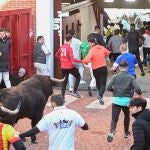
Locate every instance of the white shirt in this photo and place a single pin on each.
(146, 41)
(45, 50)
(75, 44)
(60, 125)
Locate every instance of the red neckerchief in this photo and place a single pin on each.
(148, 32)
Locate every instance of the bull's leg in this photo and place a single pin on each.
(33, 124)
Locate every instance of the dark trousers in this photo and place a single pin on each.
(100, 75)
(115, 55)
(137, 55)
(116, 109)
(65, 73)
(146, 54)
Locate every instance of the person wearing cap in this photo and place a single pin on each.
(121, 85)
(96, 56)
(60, 125)
(141, 124)
(18, 77)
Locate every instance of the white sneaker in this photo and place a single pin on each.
(70, 89)
(82, 82)
(75, 94)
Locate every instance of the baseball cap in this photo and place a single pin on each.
(22, 70)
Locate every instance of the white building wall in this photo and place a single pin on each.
(44, 27)
(88, 21)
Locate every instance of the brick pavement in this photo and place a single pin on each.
(93, 139)
(97, 118)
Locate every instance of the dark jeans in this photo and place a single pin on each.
(65, 73)
(137, 55)
(115, 55)
(147, 58)
(146, 55)
(116, 109)
(100, 75)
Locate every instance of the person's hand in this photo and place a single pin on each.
(49, 52)
(86, 63)
(0, 53)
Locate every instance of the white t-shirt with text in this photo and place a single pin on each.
(60, 125)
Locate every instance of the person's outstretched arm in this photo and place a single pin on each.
(30, 132)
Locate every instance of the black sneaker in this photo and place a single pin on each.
(89, 91)
(127, 135)
(111, 136)
(75, 94)
(142, 74)
(100, 100)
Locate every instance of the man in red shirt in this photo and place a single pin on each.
(65, 54)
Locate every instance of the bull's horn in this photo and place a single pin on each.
(57, 80)
(11, 111)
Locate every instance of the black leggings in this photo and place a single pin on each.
(100, 75)
(65, 73)
(116, 109)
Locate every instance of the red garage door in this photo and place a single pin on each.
(20, 23)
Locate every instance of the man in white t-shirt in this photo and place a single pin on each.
(59, 124)
(75, 45)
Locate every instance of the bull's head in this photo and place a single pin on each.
(10, 111)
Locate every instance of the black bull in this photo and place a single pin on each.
(32, 94)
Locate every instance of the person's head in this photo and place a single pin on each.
(116, 31)
(132, 25)
(91, 40)
(147, 28)
(112, 24)
(71, 32)
(144, 23)
(7, 32)
(97, 29)
(123, 48)
(123, 65)
(68, 38)
(137, 104)
(120, 25)
(148, 23)
(21, 72)
(57, 100)
(2, 33)
(40, 39)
